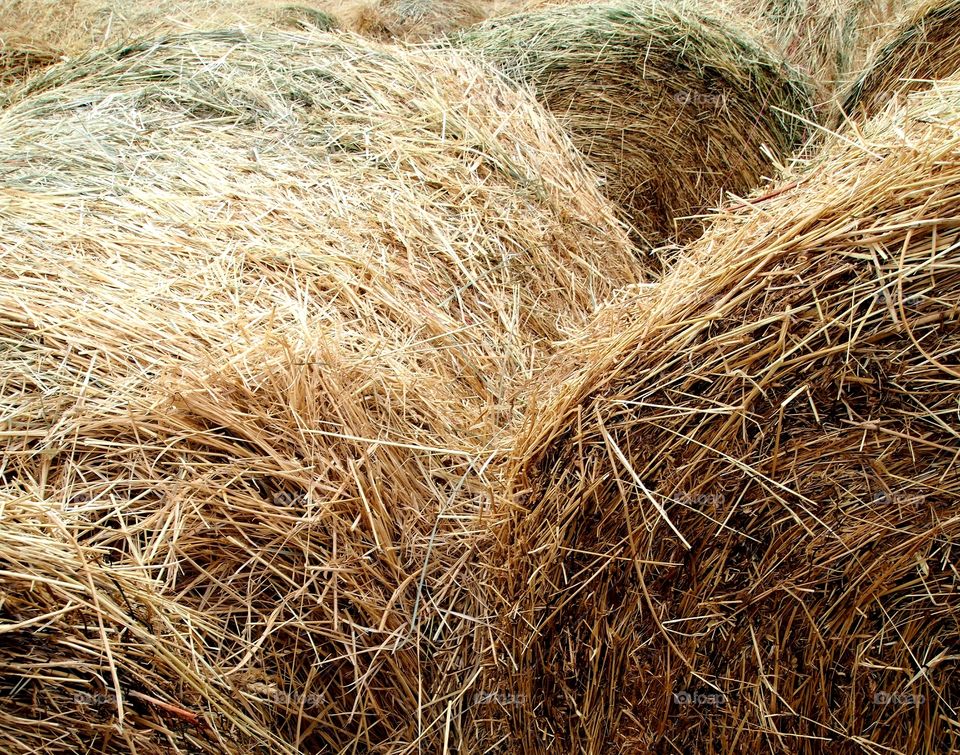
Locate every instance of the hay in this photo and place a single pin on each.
(671, 106)
(63, 602)
(743, 499)
(828, 40)
(410, 20)
(19, 60)
(265, 305)
(923, 48)
(64, 28)
(819, 37)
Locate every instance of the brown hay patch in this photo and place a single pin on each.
(746, 490)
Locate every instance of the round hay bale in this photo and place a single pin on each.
(65, 28)
(671, 106)
(920, 50)
(741, 502)
(820, 38)
(64, 606)
(266, 302)
(411, 20)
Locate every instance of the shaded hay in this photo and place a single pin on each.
(923, 48)
(265, 303)
(744, 498)
(672, 106)
(17, 61)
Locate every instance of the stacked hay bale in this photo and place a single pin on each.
(743, 502)
(672, 106)
(265, 303)
(922, 49)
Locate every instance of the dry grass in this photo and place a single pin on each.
(924, 47)
(18, 59)
(828, 40)
(671, 105)
(746, 486)
(410, 20)
(266, 303)
(48, 30)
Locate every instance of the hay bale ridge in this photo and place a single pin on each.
(742, 499)
(670, 105)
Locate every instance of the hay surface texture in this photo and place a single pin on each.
(35, 33)
(828, 40)
(923, 48)
(410, 20)
(264, 305)
(744, 505)
(671, 106)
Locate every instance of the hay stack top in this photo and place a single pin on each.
(672, 105)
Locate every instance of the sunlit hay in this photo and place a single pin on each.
(925, 47)
(410, 20)
(65, 28)
(267, 303)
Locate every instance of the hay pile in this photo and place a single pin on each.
(819, 37)
(35, 33)
(744, 499)
(410, 20)
(828, 40)
(923, 48)
(265, 303)
(672, 106)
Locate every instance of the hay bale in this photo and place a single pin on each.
(63, 28)
(921, 49)
(265, 305)
(828, 40)
(672, 106)
(411, 20)
(742, 500)
(64, 604)
(820, 38)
